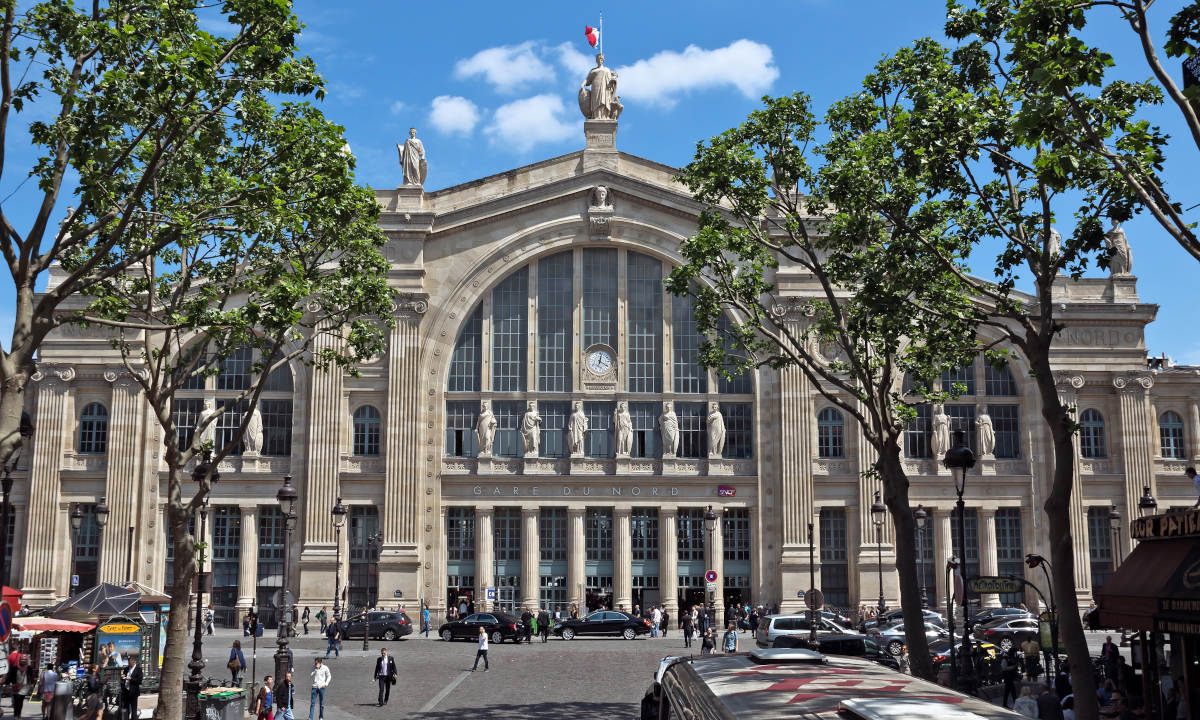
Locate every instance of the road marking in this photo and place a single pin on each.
(445, 691)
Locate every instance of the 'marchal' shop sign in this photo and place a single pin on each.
(1177, 524)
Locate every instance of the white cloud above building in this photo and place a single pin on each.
(453, 115)
(507, 68)
(522, 124)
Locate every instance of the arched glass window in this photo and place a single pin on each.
(366, 430)
(831, 433)
(1170, 435)
(688, 375)
(1091, 434)
(510, 316)
(468, 355)
(93, 429)
(999, 381)
(235, 370)
(644, 326)
(556, 291)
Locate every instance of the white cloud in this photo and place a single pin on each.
(507, 67)
(576, 63)
(524, 123)
(397, 107)
(452, 114)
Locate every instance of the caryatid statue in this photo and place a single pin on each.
(1120, 262)
(252, 439)
(577, 428)
(668, 424)
(412, 159)
(987, 434)
(531, 427)
(485, 430)
(940, 439)
(623, 424)
(716, 431)
(600, 102)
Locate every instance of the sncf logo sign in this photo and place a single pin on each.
(726, 491)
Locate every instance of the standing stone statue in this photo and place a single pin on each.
(940, 441)
(577, 428)
(601, 101)
(485, 430)
(623, 424)
(412, 159)
(987, 434)
(252, 439)
(716, 431)
(531, 427)
(668, 424)
(1055, 244)
(1120, 261)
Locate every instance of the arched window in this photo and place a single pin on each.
(93, 429)
(1091, 434)
(366, 430)
(999, 381)
(831, 433)
(1170, 435)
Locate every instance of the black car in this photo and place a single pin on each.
(1008, 613)
(499, 627)
(603, 622)
(1007, 633)
(384, 624)
(852, 645)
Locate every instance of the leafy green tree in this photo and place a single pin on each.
(857, 287)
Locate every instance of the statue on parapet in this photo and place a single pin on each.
(600, 102)
(412, 159)
(1120, 260)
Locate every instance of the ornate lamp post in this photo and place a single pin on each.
(195, 680)
(339, 519)
(960, 459)
(951, 566)
(1146, 503)
(76, 524)
(1033, 560)
(287, 503)
(370, 543)
(6, 507)
(877, 512)
(1114, 521)
(922, 519)
(710, 525)
(101, 512)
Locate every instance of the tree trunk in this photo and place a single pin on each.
(175, 654)
(1062, 545)
(895, 496)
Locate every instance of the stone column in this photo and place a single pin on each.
(943, 550)
(796, 452)
(485, 561)
(716, 561)
(1068, 387)
(248, 567)
(756, 560)
(123, 487)
(320, 486)
(668, 559)
(622, 559)
(530, 559)
(575, 558)
(44, 562)
(989, 563)
(1194, 415)
(1138, 439)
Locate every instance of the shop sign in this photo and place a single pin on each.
(1176, 524)
(992, 584)
(118, 629)
(1183, 627)
(726, 491)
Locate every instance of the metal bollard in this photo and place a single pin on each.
(62, 708)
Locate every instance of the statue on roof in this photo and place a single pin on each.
(600, 102)
(412, 159)
(1120, 261)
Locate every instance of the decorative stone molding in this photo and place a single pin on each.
(1171, 466)
(59, 373)
(411, 304)
(122, 378)
(85, 461)
(1096, 467)
(1121, 382)
(793, 307)
(362, 465)
(456, 467)
(1064, 380)
(600, 213)
(830, 467)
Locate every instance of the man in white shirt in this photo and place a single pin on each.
(320, 677)
(656, 619)
(482, 652)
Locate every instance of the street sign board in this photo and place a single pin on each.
(490, 593)
(74, 581)
(710, 587)
(994, 584)
(710, 576)
(814, 599)
(5, 620)
(399, 593)
(278, 600)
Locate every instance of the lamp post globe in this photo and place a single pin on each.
(1146, 503)
(101, 512)
(960, 459)
(878, 510)
(921, 518)
(338, 513)
(76, 516)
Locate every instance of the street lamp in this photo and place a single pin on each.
(1146, 503)
(710, 525)
(877, 512)
(76, 524)
(26, 432)
(951, 566)
(101, 512)
(922, 519)
(960, 459)
(370, 542)
(204, 469)
(339, 519)
(287, 503)
(1114, 521)
(1033, 560)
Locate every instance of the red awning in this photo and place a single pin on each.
(1148, 585)
(45, 624)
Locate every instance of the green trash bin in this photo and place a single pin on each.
(227, 705)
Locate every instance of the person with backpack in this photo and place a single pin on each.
(689, 629)
(262, 703)
(236, 662)
(729, 643)
(304, 619)
(321, 616)
(543, 624)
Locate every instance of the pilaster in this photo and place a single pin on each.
(716, 561)
(575, 559)
(248, 568)
(622, 558)
(530, 558)
(1138, 440)
(989, 563)
(668, 559)
(123, 486)
(485, 555)
(796, 497)
(321, 487)
(44, 561)
(1068, 388)
(943, 541)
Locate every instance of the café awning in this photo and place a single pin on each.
(45, 624)
(1158, 583)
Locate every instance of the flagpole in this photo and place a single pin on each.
(601, 33)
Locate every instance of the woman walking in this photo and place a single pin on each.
(322, 617)
(729, 644)
(264, 701)
(92, 699)
(304, 619)
(237, 662)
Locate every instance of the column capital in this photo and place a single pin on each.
(622, 511)
(53, 376)
(527, 512)
(1134, 383)
(484, 510)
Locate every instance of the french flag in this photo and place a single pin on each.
(592, 35)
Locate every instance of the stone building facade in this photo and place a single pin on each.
(543, 285)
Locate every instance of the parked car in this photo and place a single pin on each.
(499, 627)
(1007, 613)
(603, 622)
(894, 616)
(1007, 633)
(384, 624)
(772, 626)
(892, 637)
(839, 618)
(852, 645)
(940, 650)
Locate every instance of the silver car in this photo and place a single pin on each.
(892, 637)
(772, 626)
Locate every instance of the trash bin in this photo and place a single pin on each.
(223, 704)
(61, 708)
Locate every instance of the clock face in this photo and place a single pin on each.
(599, 362)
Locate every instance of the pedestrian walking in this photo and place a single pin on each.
(209, 625)
(689, 629)
(655, 620)
(482, 651)
(706, 642)
(304, 619)
(729, 643)
(320, 677)
(322, 618)
(333, 634)
(93, 685)
(543, 623)
(1008, 673)
(133, 677)
(425, 620)
(666, 622)
(262, 703)
(385, 676)
(527, 625)
(236, 662)
(46, 688)
(15, 680)
(285, 698)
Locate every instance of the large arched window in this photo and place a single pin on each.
(366, 430)
(93, 429)
(831, 433)
(1170, 435)
(1091, 434)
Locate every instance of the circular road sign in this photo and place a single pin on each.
(278, 599)
(710, 576)
(814, 599)
(5, 620)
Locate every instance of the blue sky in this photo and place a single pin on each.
(491, 86)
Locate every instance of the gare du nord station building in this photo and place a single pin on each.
(540, 290)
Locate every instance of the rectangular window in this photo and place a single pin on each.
(553, 442)
(925, 563)
(510, 312)
(598, 442)
(739, 435)
(270, 553)
(688, 375)
(999, 381)
(235, 370)
(508, 428)
(1006, 423)
(226, 553)
(598, 529)
(599, 297)
(647, 443)
(169, 580)
(277, 427)
(461, 417)
(364, 556)
(916, 435)
(964, 376)
(555, 303)
(735, 534)
(690, 534)
(971, 523)
(962, 417)
(741, 383)
(644, 336)
(508, 533)
(460, 533)
(831, 434)
(644, 533)
(229, 422)
(693, 430)
(185, 413)
(87, 548)
(835, 577)
(552, 533)
(466, 361)
(1010, 552)
(1100, 546)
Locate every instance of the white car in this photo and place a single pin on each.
(772, 626)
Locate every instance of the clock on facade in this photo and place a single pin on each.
(599, 362)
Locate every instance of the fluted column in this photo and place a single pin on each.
(485, 558)
(1194, 415)
(1138, 440)
(575, 558)
(530, 558)
(248, 567)
(989, 563)
(943, 550)
(756, 559)
(796, 453)
(668, 559)
(122, 487)
(716, 561)
(320, 486)
(622, 559)
(47, 555)
(1068, 388)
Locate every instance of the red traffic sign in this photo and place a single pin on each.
(814, 599)
(710, 576)
(5, 620)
